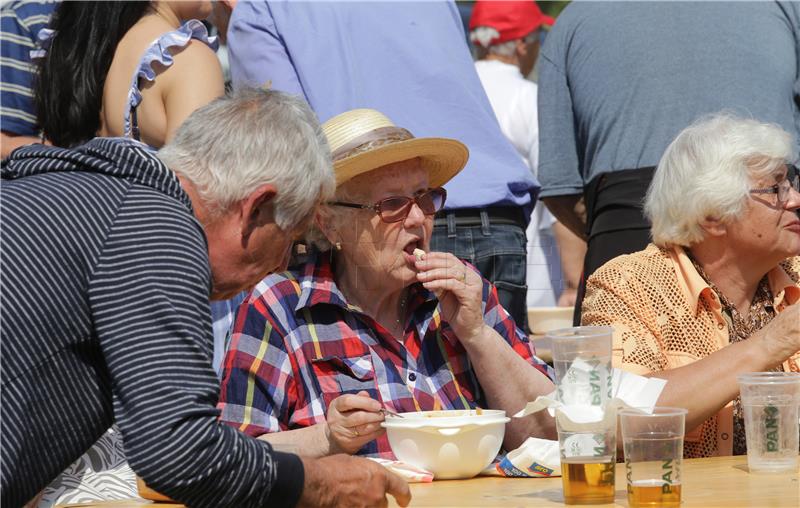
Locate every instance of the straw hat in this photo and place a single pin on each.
(362, 140)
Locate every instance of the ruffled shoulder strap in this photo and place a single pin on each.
(43, 38)
(160, 51)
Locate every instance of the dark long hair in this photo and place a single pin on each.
(71, 77)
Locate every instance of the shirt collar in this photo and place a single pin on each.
(694, 286)
(317, 286)
(784, 290)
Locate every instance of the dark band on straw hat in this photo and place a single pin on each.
(369, 140)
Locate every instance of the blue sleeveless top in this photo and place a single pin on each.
(160, 51)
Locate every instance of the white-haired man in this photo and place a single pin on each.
(110, 254)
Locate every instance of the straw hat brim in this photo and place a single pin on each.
(443, 158)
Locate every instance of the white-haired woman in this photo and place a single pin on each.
(716, 293)
(316, 353)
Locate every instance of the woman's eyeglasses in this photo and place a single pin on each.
(397, 208)
(784, 187)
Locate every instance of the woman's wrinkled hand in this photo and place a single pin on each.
(459, 290)
(353, 421)
(782, 334)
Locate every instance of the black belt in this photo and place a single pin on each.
(510, 215)
(614, 200)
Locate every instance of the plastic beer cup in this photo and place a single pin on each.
(653, 446)
(770, 402)
(588, 461)
(582, 361)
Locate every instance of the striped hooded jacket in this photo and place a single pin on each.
(105, 282)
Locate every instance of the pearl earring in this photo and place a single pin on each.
(338, 245)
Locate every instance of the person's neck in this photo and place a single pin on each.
(388, 306)
(198, 207)
(737, 276)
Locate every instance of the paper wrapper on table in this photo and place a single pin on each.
(536, 458)
(409, 473)
(627, 390)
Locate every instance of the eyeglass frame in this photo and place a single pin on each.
(792, 182)
(414, 200)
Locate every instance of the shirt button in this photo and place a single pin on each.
(724, 436)
(412, 377)
(720, 326)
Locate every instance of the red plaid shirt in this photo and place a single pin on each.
(297, 344)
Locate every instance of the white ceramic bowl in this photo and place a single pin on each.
(543, 319)
(450, 444)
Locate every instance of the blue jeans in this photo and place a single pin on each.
(499, 253)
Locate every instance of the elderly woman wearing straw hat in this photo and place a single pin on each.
(373, 320)
(717, 292)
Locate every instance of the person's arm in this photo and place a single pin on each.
(194, 79)
(716, 373)
(257, 55)
(349, 482)
(17, 112)
(10, 142)
(509, 382)
(259, 392)
(570, 211)
(559, 169)
(351, 422)
(571, 250)
(156, 343)
(498, 352)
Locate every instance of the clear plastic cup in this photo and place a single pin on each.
(582, 361)
(770, 401)
(653, 446)
(588, 460)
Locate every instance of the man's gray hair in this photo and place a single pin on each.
(482, 37)
(250, 138)
(707, 171)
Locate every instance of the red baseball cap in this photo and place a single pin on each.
(512, 19)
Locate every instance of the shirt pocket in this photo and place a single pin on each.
(340, 375)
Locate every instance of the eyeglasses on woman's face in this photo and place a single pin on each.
(783, 188)
(397, 208)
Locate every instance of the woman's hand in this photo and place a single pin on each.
(353, 421)
(782, 334)
(459, 290)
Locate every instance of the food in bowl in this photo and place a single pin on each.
(451, 444)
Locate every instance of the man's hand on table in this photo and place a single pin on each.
(342, 480)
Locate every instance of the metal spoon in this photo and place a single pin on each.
(390, 412)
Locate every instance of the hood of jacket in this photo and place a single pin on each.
(115, 157)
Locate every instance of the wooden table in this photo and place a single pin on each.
(722, 482)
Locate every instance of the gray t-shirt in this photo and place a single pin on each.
(619, 80)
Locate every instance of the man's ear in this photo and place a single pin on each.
(521, 48)
(714, 226)
(258, 209)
